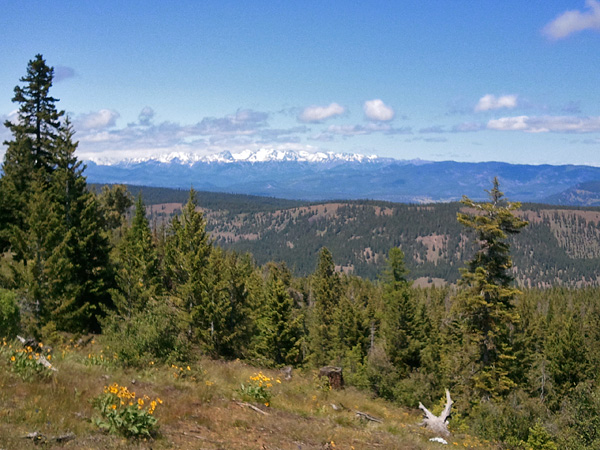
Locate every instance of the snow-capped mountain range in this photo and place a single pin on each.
(324, 176)
(262, 155)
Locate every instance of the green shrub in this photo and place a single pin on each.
(506, 420)
(147, 336)
(10, 317)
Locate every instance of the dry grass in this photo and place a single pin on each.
(202, 413)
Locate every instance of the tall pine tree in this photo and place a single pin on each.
(138, 273)
(187, 253)
(484, 307)
(280, 323)
(49, 220)
(32, 147)
(327, 290)
(400, 321)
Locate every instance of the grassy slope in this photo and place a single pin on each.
(201, 414)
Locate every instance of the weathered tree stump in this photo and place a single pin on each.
(438, 425)
(287, 372)
(334, 374)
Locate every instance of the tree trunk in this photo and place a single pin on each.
(334, 374)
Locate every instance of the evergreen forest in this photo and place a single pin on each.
(520, 363)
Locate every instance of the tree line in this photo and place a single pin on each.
(521, 365)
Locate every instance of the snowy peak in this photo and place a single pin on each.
(258, 156)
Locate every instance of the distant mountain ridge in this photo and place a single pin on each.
(262, 155)
(326, 176)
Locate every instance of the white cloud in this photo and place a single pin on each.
(105, 118)
(573, 21)
(518, 123)
(545, 124)
(489, 102)
(377, 110)
(320, 113)
(146, 115)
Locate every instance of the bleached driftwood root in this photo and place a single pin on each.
(438, 425)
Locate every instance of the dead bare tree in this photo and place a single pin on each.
(438, 425)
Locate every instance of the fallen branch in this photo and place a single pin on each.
(38, 437)
(258, 410)
(362, 415)
(435, 423)
(41, 359)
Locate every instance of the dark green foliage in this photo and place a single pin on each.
(80, 272)
(222, 316)
(32, 148)
(484, 307)
(9, 314)
(400, 325)
(326, 291)
(233, 203)
(280, 321)
(187, 252)
(50, 223)
(39, 119)
(115, 201)
(138, 272)
(566, 354)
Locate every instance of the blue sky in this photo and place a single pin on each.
(469, 81)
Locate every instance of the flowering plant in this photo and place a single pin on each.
(121, 412)
(26, 362)
(258, 388)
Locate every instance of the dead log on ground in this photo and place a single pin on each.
(438, 425)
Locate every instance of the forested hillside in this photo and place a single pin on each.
(521, 364)
(560, 247)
